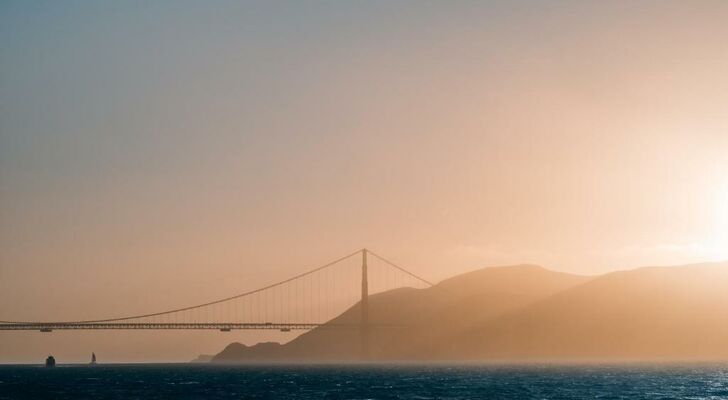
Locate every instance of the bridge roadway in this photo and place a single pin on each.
(221, 326)
(309, 287)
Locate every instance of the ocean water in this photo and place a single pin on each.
(180, 381)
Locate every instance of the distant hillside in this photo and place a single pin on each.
(526, 312)
(429, 314)
(649, 313)
(203, 358)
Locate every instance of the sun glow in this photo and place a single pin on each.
(718, 245)
(714, 247)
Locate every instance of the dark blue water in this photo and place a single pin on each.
(179, 381)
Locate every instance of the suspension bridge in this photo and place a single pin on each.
(308, 300)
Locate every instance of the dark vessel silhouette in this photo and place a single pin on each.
(50, 362)
(93, 359)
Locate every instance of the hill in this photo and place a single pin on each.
(663, 313)
(526, 312)
(428, 314)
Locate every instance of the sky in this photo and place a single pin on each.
(154, 155)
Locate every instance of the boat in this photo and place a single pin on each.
(50, 362)
(93, 359)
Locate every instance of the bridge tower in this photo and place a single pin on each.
(364, 324)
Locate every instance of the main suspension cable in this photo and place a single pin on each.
(199, 305)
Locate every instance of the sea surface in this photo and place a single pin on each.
(391, 381)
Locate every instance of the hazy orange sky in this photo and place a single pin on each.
(154, 155)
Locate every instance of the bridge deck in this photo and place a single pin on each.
(51, 326)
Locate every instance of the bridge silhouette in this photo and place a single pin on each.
(305, 301)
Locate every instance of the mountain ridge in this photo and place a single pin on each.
(527, 312)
